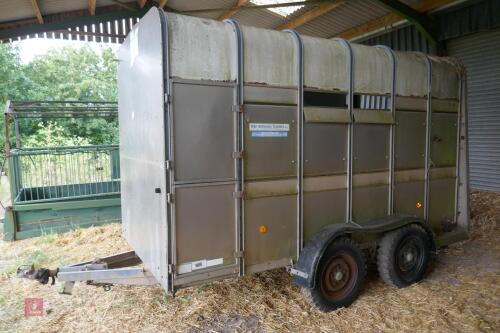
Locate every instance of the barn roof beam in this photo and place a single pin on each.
(162, 3)
(230, 12)
(92, 4)
(66, 20)
(424, 23)
(132, 6)
(390, 19)
(310, 15)
(36, 9)
(251, 6)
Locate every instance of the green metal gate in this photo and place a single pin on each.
(55, 189)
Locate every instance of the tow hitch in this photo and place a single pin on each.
(42, 275)
(117, 269)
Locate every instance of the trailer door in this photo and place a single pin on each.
(142, 144)
(204, 179)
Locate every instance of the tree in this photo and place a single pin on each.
(75, 74)
(69, 73)
(13, 82)
(51, 134)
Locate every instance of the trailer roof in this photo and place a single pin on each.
(111, 20)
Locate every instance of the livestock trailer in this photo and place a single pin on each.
(245, 149)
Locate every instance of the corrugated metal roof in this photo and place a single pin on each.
(182, 5)
(257, 18)
(349, 15)
(22, 9)
(264, 18)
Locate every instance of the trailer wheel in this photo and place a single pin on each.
(339, 276)
(403, 256)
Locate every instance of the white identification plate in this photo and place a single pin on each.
(269, 127)
(200, 264)
(269, 130)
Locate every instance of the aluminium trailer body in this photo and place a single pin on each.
(244, 149)
(239, 144)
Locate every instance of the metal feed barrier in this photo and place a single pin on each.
(54, 189)
(48, 174)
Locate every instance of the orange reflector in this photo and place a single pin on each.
(418, 205)
(262, 229)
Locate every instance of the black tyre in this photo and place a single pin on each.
(339, 277)
(403, 256)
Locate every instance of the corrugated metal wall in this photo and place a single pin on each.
(470, 17)
(480, 54)
(474, 27)
(406, 38)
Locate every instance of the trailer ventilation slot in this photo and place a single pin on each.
(325, 99)
(372, 102)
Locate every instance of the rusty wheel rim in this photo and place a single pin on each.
(410, 259)
(339, 276)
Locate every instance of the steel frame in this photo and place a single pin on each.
(116, 269)
(299, 50)
(240, 144)
(169, 154)
(428, 128)
(390, 53)
(350, 127)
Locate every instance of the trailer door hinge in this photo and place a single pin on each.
(170, 198)
(239, 254)
(168, 98)
(237, 108)
(238, 154)
(168, 165)
(238, 194)
(170, 269)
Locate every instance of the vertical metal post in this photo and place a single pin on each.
(114, 158)
(428, 129)
(7, 129)
(14, 186)
(462, 199)
(14, 177)
(239, 137)
(350, 128)
(169, 178)
(392, 129)
(461, 106)
(16, 129)
(457, 160)
(299, 47)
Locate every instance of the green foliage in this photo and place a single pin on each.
(13, 82)
(50, 134)
(73, 74)
(68, 73)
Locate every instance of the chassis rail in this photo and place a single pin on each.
(121, 268)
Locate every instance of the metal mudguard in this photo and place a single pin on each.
(304, 271)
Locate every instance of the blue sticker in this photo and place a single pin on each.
(269, 134)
